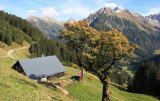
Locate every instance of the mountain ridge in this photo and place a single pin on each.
(154, 19)
(134, 26)
(121, 13)
(49, 25)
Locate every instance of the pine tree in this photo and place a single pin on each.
(145, 79)
(8, 40)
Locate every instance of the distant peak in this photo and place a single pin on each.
(105, 9)
(50, 20)
(72, 20)
(32, 18)
(47, 18)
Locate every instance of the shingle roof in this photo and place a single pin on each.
(41, 67)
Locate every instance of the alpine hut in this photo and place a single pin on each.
(45, 68)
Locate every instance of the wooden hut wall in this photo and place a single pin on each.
(18, 68)
(58, 75)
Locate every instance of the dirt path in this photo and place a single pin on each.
(63, 90)
(9, 54)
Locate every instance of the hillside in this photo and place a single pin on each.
(18, 30)
(15, 86)
(133, 25)
(91, 90)
(9, 34)
(155, 58)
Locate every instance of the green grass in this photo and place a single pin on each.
(21, 54)
(3, 52)
(7, 61)
(92, 90)
(129, 69)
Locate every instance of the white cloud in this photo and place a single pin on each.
(111, 5)
(1, 8)
(31, 11)
(81, 11)
(49, 12)
(150, 11)
(66, 11)
(68, 7)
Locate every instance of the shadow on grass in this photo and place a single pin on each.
(48, 85)
(4, 85)
(158, 97)
(119, 87)
(22, 81)
(55, 99)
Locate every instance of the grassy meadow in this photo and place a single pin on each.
(92, 90)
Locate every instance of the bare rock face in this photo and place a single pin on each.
(50, 20)
(104, 10)
(71, 20)
(32, 18)
(154, 19)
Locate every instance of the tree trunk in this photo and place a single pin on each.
(105, 93)
(79, 61)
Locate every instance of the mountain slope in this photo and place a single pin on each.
(134, 26)
(22, 25)
(9, 34)
(49, 26)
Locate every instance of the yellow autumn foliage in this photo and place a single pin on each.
(90, 41)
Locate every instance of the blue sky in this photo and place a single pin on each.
(78, 9)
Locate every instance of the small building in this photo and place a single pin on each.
(42, 68)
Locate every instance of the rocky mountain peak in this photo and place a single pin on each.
(32, 18)
(106, 10)
(72, 20)
(154, 19)
(50, 20)
(117, 9)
